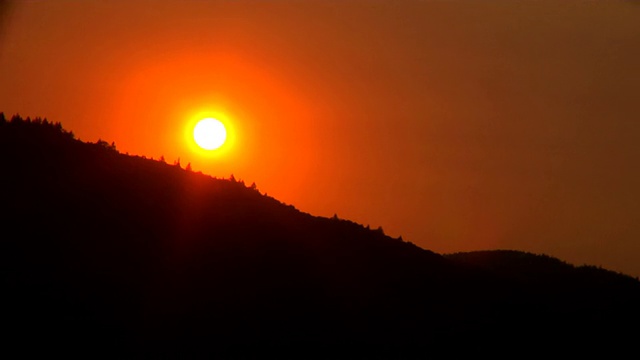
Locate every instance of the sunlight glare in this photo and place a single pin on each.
(209, 133)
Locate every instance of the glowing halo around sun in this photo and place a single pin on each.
(209, 133)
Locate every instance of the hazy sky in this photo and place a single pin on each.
(460, 125)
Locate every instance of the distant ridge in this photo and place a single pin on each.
(107, 254)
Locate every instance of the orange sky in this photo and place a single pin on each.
(460, 125)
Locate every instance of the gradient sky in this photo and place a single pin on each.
(459, 125)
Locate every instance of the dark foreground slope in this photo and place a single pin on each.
(121, 255)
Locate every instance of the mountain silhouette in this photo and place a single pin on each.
(108, 254)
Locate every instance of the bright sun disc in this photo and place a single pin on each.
(209, 133)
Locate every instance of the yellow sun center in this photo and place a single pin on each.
(209, 133)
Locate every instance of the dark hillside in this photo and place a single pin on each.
(120, 254)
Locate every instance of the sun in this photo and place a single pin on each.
(209, 133)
